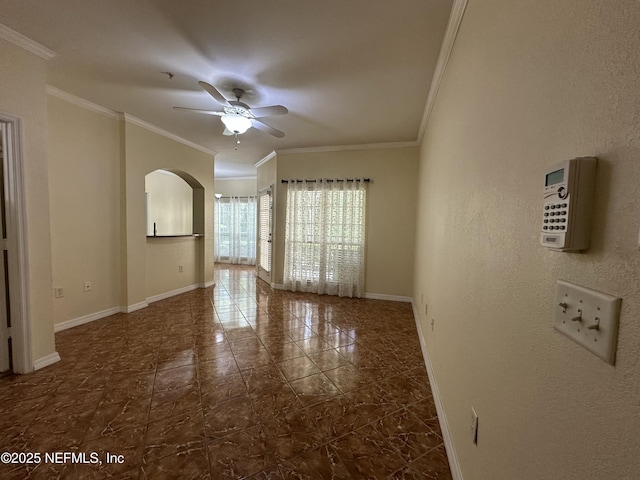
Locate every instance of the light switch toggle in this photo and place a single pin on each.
(595, 316)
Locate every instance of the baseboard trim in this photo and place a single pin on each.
(173, 293)
(74, 322)
(134, 307)
(389, 298)
(46, 361)
(212, 283)
(454, 464)
(370, 296)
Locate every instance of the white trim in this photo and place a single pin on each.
(152, 128)
(369, 296)
(74, 322)
(46, 361)
(454, 464)
(265, 159)
(450, 34)
(16, 242)
(173, 293)
(26, 43)
(338, 148)
(219, 178)
(134, 307)
(389, 298)
(212, 283)
(80, 102)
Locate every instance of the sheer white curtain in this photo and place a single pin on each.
(235, 230)
(325, 237)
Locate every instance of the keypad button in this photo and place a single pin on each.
(546, 207)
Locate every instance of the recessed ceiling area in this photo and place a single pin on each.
(353, 72)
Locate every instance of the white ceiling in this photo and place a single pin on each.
(351, 72)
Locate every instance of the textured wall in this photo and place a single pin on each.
(84, 184)
(531, 83)
(391, 207)
(22, 83)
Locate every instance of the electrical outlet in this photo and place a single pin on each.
(58, 292)
(180, 268)
(433, 323)
(87, 286)
(473, 427)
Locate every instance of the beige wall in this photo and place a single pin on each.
(238, 187)
(144, 152)
(391, 209)
(85, 208)
(531, 83)
(169, 204)
(22, 82)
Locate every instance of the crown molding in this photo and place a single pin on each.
(265, 159)
(221, 179)
(455, 19)
(81, 102)
(338, 148)
(26, 43)
(152, 128)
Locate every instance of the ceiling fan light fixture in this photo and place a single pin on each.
(236, 123)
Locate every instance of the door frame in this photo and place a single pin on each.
(10, 127)
(262, 273)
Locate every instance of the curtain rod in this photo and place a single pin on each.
(367, 180)
(236, 196)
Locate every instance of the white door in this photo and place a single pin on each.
(265, 222)
(5, 312)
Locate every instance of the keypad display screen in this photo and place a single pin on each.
(554, 177)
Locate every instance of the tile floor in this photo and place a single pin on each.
(236, 381)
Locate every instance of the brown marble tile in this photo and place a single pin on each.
(263, 379)
(173, 435)
(192, 465)
(178, 401)
(431, 466)
(407, 434)
(110, 417)
(298, 368)
(176, 378)
(210, 363)
(291, 434)
(367, 454)
(229, 417)
(348, 399)
(314, 389)
(318, 463)
(221, 389)
(240, 454)
(275, 403)
(128, 443)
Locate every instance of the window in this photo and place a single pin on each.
(235, 230)
(264, 231)
(325, 237)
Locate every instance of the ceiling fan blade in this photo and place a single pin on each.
(269, 111)
(228, 133)
(198, 110)
(217, 96)
(266, 128)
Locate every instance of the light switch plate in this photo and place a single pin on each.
(589, 318)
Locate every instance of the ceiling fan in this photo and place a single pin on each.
(237, 116)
